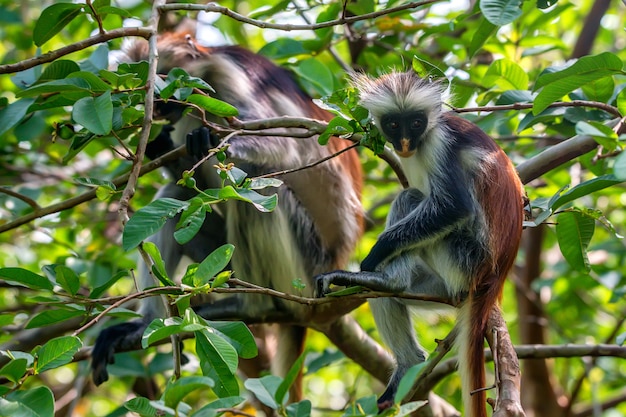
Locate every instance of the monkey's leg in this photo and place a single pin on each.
(394, 323)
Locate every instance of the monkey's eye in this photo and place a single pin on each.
(416, 124)
(393, 125)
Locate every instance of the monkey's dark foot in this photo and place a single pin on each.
(383, 405)
(386, 400)
(118, 338)
(324, 281)
(200, 141)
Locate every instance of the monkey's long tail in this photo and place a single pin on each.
(472, 325)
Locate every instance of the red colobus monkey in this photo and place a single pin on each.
(314, 228)
(454, 233)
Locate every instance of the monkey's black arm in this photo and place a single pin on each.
(449, 205)
(118, 338)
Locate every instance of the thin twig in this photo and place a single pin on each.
(212, 7)
(524, 106)
(27, 200)
(311, 165)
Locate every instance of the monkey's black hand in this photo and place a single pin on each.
(200, 140)
(162, 144)
(118, 338)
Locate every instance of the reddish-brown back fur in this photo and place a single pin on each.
(500, 193)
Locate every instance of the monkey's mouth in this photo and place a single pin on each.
(405, 154)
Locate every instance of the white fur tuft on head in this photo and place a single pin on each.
(398, 92)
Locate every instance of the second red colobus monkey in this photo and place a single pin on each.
(454, 233)
(314, 228)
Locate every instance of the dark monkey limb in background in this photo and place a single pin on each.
(454, 233)
(314, 228)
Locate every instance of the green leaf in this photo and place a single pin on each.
(176, 391)
(57, 352)
(144, 407)
(300, 409)
(427, 69)
(219, 362)
(158, 268)
(210, 410)
(79, 141)
(97, 292)
(263, 203)
(264, 389)
(365, 406)
(262, 183)
(215, 262)
(64, 277)
(408, 408)
(620, 101)
(574, 232)
(316, 74)
(407, 382)
(96, 85)
(507, 75)
(238, 335)
(149, 219)
(64, 86)
(601, 133)
(290, 378)
(26, 278)
(95, 114)
(283, 48)
(53, 19)
(52, 316)
(619, 168)
(94, 182)
(191, 221)
(485, 30)
(326, 358)
(160, 329)
(12, 114)
(114, 10)
(97, 61)
(583, 189)
(544, 4)
(600, 90)
(221, 279)
(501, 12)
(14, 370)
(192, 322)
(35, 402)
(58, 70)
(556, 84)
(212, 105)
(338, 126)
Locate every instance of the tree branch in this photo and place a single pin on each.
(94, 40)
(212, 7)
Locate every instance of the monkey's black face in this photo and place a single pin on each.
(404, 130)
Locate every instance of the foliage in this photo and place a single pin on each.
(71, 127)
